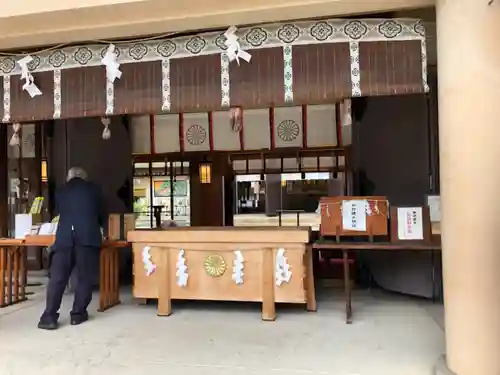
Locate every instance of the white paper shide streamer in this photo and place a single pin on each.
(238, 267)
(15, 139)
(282, 270)
(106, 133)
(29, 82)
(234, 51)
(147, 261)
(113, 71)
(181, 269)
(372, 208)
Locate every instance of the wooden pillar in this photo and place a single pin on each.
(38, 157)
(268, 285)
(273, 194)
(164, 297)
(38, 191)
(4, 182)
(468, 73)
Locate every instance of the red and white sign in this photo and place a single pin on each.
(410, 226)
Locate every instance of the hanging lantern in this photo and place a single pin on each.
(15, 140)
(44, 172)
(106, 133)
(235, 119)
(205, 173)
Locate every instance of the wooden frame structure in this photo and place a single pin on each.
(13, 276)
(363, 52)
(349, 247)
(281, 75)
(13, 271)
(428, 243)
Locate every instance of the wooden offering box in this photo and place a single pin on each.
(119, 225)
(331, 216)
(224, 264)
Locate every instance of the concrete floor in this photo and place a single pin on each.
(391, 335)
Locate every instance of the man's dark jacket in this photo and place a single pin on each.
(82, 214)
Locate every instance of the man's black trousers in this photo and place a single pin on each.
(63, 260)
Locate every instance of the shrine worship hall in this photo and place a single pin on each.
(255, 164)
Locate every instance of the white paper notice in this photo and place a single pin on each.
(434, 203)
(48, 229)
(23, 223)
(354, 215)
(410, 226)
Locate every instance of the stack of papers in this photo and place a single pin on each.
(48, 229)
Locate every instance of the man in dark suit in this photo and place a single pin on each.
(81, 212)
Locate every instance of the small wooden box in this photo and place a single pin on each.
(426, 227)
(331, 217)
(119, 225)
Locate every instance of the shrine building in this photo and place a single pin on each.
(322, 98)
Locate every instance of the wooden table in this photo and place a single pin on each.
(13, 271)
(346, 247)
(13, 275)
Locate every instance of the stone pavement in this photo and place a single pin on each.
(391, 335)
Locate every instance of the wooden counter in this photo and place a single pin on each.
(109, 283)
(210, 258)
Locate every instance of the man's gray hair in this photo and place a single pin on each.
(76, 172)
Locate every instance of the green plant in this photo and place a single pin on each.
(140, 206)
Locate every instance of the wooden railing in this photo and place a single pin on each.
(296, 212)
(13, 275)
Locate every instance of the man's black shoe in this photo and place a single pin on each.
(76, 321)
(49, 326)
